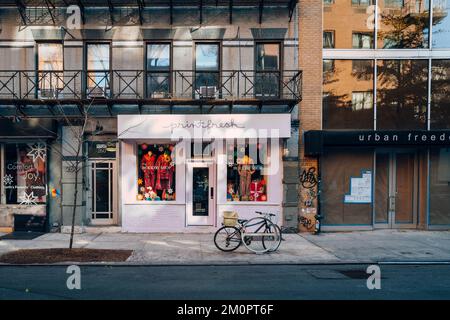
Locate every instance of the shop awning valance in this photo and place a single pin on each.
(220, 126)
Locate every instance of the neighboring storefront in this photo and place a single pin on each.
(179, 173)
(383, 179)
(24, 170)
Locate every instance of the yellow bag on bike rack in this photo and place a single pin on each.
(230, 218)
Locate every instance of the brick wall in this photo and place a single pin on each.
(310, 113)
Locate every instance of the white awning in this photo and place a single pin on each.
(217, 126)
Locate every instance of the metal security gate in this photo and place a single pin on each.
(102, 192)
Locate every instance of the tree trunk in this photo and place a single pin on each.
(75, 194)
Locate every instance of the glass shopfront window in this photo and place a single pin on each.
(440, 94)
(402, 90)
(351, 21)
(441, 24)
(25, 176)
(346, 186)
(156, 172)
(246, 172)
(440, 186)
(348, 94)
(404, 24)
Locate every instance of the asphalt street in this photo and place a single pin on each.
(226, 282)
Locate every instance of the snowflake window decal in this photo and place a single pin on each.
(29, 199)
(37, 151)
(8, 180)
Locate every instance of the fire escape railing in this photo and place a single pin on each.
(122, 85)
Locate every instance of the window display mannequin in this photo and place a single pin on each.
(148, 168)
(164, 174)
(245, 170)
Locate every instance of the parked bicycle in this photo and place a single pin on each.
(259, 234)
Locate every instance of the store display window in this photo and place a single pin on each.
(156, 172)
(246, 170)
(25, 176)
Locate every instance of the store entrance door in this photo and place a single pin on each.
(102, 192)
(200, 194)
(396, 189)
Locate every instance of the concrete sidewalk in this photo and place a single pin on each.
(344, 247)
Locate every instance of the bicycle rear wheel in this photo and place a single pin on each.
(253, 232)
(227, 239)
(272, 243)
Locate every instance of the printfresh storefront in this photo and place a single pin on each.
(179, 173)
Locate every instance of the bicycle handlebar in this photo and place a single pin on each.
(263, 213)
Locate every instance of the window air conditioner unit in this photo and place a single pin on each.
(206, 92)
(48, 93)
(97, 92)
(159, 95)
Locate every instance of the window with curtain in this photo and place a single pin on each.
(50, 69)
(328, 39)
(362, 100)
(362, 40)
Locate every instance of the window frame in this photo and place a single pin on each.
(148, 71)
(175, 145)
(86, 62)
(3, 200)
(37, 69)
(333, 39)
(266, 177)
(196, 71)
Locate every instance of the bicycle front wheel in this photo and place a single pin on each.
(227, 239)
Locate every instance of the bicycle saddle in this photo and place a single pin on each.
(242, 221)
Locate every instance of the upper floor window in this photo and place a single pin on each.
(158, 70)
(98, 69)
(267, 56)
(50, 69)
(362, 40)
(328, 39)
(207, 67)
(267, 76)
(361, 2)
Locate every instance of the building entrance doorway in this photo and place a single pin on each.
(396, 189)
(102, 192)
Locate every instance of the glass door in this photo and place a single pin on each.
(102, 192)
(396, 189)
(200, 194)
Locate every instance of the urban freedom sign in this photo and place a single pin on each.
(315, 140)
(220, 126)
